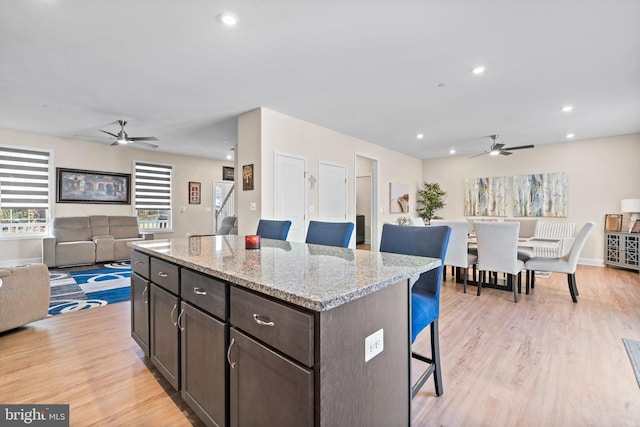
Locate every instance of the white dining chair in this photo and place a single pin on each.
(564, 264)
(498, 252)
(458, 250)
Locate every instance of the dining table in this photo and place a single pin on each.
(525, 244)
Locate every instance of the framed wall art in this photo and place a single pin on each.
(613, 222)
(247, 177)
(194, 193)
(86, 186)
(398, 198)
(227, 173)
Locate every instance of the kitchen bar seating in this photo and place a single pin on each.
(329, 233)
(425, 294)
(273, 229)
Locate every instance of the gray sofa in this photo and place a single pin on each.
(24, 295)
(89, 239)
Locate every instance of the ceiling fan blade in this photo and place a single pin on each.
(92, 136)
(115, 143)
(497, 147)
(477, 155)
(147, 144)
(505, 153)
(143, 138)
(521, 147)
(108, 133)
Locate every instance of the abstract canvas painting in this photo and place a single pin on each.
(398, 198)
(542, 195)
(485, 196)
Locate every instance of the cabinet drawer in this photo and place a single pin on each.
(204, 292)
(284, 328)
(140, 264)
(165, 275)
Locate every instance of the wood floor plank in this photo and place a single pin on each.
(541, 362)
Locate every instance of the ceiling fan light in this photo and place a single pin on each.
(494, 152)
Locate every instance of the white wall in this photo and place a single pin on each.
(103, 157)
(601, 172)
(283, 133)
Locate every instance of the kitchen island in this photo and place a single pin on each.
(290, 334)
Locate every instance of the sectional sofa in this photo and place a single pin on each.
(89, 239)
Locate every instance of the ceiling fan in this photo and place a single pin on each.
(122, 137)
(497, 148)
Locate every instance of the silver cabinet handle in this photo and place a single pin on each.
(138, 262)
(180, 320)
(232, 364)
(144, 295)
(171, 315)
(199, 291)
(162, 274)
(261, 322)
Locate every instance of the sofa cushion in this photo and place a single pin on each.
(123, 227)
(99, 225)
(71, 229)
(75, 253)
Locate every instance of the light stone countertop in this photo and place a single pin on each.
(315, 277)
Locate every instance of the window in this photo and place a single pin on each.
(152, 187)
(24, 192)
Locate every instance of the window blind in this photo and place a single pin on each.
(24, 178)
(153, 186)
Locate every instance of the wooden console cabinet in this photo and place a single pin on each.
(622, 250)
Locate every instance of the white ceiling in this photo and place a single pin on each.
(370, 69)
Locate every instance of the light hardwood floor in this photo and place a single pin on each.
(541, 362)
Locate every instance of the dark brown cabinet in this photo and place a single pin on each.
(203, 364)
(164, 338)
(266, 388)
(140, 312)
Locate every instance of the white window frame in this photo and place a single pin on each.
(146, 198)
(20, 166)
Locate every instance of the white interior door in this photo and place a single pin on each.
(332, 192)
(290, 193)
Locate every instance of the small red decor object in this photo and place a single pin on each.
(252, 242)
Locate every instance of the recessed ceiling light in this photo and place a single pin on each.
(228, 19)
(570, 135)
(420, 136)
(229, 157)
(478, 70)
(452, 151)
(567, 108)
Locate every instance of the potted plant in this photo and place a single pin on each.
(430, 198)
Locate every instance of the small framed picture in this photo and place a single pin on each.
(613, 222)
(194, 193)
(636, 226)
(227, 173)
(247, 177)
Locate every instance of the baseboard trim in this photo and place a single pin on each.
(598, 262)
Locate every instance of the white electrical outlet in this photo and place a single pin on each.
(373, 345)
(253, 206)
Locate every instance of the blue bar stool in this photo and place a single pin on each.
(425, 295)
(273, 229)
(329, 233)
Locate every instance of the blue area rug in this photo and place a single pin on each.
(76, 289)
